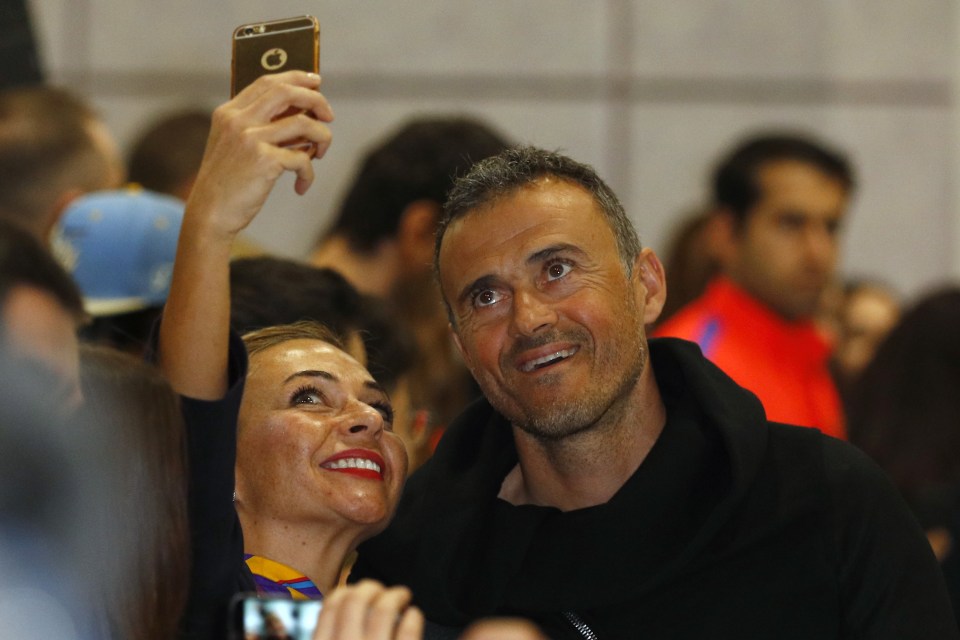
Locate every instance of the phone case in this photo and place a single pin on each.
(271, 47)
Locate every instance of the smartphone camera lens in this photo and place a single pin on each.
(248, 31)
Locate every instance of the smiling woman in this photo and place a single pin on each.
(293, 460)
(314, 442)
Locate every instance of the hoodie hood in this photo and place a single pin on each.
(465, 553)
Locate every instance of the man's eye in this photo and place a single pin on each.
(791, 223)
(557, 270)
(486, 298)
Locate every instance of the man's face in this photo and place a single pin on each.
(786, 251)
(546, 318)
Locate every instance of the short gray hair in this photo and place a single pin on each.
(518, 167)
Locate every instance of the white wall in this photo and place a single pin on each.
(649, 91)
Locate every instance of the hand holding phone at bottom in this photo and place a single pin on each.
(368, 610)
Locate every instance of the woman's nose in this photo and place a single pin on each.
(364, 419)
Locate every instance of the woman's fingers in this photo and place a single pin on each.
(296, 127)
(384, 611)
(275, 94)
(411, 625)
(369, 611)
(267, 83)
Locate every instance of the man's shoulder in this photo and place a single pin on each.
(850, 483)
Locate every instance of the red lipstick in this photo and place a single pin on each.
(362, 463)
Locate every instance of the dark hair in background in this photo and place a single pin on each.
(128, 332)
(268, 291)
(519, 167)
(44, 146)
(19, 62)
(735, 178)
(417, 162)
(166, 156)
(905, 409)
(132, 407)
(25, 261)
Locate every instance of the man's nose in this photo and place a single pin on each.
(531, 313)
(820, 243)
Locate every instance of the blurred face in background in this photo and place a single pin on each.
(785, 251)
(38, 327)
(866, 316)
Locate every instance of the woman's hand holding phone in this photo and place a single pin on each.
(245, 154)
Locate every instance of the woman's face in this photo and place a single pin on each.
(315, 440)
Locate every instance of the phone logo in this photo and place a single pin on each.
(273, 59)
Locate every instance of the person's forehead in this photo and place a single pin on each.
(281, 360)
(522, 222)
(798, 178)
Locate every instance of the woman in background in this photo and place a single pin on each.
(905, 413)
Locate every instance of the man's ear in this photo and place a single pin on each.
(459, 345)
(648, 272)
(415, 233)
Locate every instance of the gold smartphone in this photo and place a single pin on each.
(260, 48)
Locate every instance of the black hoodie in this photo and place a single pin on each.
(733, 527)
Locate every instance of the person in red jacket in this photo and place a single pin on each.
(779, 201)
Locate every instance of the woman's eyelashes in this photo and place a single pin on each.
(386, 410)
(307, 394)
(311, 395)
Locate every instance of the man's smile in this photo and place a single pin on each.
(535, 362)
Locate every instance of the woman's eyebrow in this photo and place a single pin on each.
(312, 373)
(373, 384)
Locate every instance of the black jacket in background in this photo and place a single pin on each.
(733, 527)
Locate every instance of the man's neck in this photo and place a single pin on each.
(373, 273)
(588, 468)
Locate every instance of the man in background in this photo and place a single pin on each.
(53, 148)
(779, 201)
(382, 241)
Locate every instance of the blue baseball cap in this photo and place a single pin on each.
(119, 246)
